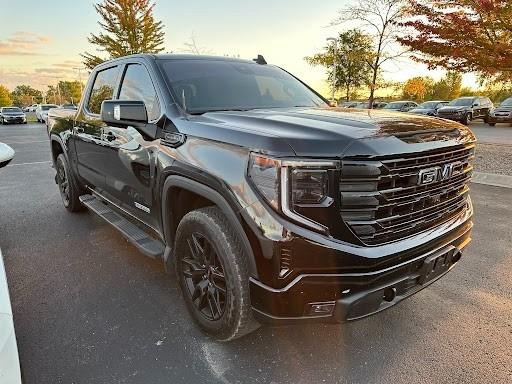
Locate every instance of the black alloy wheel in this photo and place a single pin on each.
(203, 273)
(68, 187)
(211, 267)
(63, 182)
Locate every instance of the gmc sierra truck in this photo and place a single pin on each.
(269, 205)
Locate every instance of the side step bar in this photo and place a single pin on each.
(145, 243)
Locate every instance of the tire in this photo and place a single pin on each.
(69, 191)
(467, 119)
(213, 276)
(486, 118)
(492, 124)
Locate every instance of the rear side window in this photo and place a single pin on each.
(137, 86)
(102, 89)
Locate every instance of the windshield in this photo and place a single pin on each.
(507, 102)
(395, 105)
(462, 102)
(428, 105)
(11, 110)
(47, 107)
(213, 85)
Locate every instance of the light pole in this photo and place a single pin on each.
(79, 69)
(334, 42)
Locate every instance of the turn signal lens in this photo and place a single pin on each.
(264, 172)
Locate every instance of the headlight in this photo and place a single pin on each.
(290, 186)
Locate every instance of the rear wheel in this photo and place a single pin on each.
(213, 276)
(69, 191)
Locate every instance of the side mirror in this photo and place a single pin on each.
(6, 155)
(476, 105)
(122, 113)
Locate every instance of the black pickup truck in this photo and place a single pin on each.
(269, 205)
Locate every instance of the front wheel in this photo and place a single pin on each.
(212, 271)
(492, 124)
(69, 191)
(467, 119)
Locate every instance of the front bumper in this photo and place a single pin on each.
(15, 120)
(500, 119)
(452, 116)
(339, 297)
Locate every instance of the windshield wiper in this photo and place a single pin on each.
(202, 111)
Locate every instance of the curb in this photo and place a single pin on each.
(492, 179)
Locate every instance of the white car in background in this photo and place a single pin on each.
(10, 372)
(42, 112)
(32, 108)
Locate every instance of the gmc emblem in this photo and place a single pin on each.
(436, 174)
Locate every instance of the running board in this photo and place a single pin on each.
(145, 243)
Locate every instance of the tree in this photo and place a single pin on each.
(461, 35)
(70, 91)
(129, 28)
(416, 88)
(351, 53)
(192, 46)
(24, 95)
(5, 97)
(382, 17)
(448, 88)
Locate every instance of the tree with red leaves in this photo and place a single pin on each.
(461, 35)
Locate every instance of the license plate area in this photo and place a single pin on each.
(437, 264)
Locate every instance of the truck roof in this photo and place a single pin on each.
(175, 56)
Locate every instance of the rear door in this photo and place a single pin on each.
(88, 129)
(129, 175)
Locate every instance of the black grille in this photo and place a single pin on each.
(381, 200)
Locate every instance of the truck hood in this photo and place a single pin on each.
(332, 132)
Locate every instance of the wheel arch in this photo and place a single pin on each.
(176, 183)
(57, 147)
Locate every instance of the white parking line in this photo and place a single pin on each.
(36, 162)
(25, 142)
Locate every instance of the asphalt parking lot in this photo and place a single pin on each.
(89, 308)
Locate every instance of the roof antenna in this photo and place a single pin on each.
(260, 60)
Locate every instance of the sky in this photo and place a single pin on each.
(43, 44)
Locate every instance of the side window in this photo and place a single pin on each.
(102, 89)
(137, 85)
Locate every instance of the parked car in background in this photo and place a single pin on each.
(379, 105)
(12, 115)
(42, 112)
(502, 113)
(9, 360)
(400, 106)
(366, 105)
(466, 109)
(347, 104)
(32, 108)
(429, 108)
(69, 106)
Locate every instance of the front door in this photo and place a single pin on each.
(129, 158)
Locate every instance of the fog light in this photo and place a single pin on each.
(321, 308)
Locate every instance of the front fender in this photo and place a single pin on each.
(175, 181)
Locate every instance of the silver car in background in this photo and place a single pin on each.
(42, 112)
